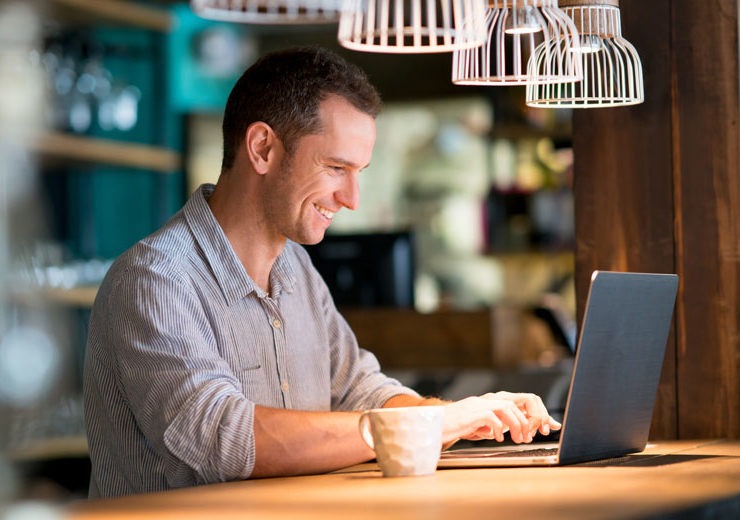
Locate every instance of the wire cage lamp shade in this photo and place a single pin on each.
(612, 70)
(516, 30)
(269, 11)
(411, 26)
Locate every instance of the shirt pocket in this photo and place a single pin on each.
(240, 350)
(247, 346)
(250, 371)
(254, 383)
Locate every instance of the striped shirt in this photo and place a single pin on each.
(182, 345)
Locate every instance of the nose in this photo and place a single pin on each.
(349, 194)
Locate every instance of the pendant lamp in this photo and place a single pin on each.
(612, 71)
(517, 30)
(269, 11)
(411, 26)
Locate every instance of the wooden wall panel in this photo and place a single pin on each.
(705, 40)
(406, 339)
(623, 182)
(657, 189)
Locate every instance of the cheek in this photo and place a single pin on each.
(281, 199)
(317, 187)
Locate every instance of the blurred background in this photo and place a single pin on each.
(110, 117)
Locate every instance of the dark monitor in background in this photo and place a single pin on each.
(369, 269)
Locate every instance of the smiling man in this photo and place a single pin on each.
(215, 350)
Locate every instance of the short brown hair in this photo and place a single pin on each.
(284, 90)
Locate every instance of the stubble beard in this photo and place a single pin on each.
(291, 221)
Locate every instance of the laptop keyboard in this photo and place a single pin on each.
(486, 454)
(536, 452)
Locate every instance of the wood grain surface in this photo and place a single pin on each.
(657, 190)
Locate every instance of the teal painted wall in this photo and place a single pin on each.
(109, 208)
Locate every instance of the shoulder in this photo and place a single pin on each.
(155, 262)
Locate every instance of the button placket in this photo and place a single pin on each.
(279, 341)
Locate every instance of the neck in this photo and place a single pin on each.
(235, 205)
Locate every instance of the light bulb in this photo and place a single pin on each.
(523, 20)
(590, 43)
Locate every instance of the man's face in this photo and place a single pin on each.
(321, 177)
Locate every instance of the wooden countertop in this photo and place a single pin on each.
(695, 478)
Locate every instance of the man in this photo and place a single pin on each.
(215, 351)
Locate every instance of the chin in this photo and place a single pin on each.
(311, 240)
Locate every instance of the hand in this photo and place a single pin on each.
(533, 409)
(491, 415)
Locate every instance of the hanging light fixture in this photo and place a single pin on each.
(269, 11)
(612, 71)
(516, 31)
(411, 26)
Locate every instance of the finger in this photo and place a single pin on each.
(548, 426)
(498, 430)
(489, 426)
(500, 396)
(540, 418)
(493, 432)
(495, 428)
(516, 421)
(536, 425)
(482, 433)
(529, 404)
(554, 425)
(533, 405)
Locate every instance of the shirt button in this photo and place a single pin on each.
(285, 387)
(277, 323)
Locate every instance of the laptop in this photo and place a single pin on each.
(615, 377)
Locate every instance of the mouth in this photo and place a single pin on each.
(326, 213)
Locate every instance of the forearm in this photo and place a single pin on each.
(409, 400)
(292, 442)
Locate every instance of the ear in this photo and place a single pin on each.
(261, 142)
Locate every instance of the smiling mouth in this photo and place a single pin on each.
(325, 212)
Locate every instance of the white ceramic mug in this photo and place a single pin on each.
(407, 441)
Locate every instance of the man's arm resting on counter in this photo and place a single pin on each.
(293, 442)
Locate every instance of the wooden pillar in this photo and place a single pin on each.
(657, 189)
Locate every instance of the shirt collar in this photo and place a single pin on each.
(233, 280)
(282, 276)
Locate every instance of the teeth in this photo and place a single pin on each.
(328, 214)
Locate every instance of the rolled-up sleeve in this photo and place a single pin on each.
(185, 398)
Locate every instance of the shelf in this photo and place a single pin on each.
(74, 446)
(116, 11)
(83, 296)
(77, 296)
(106, 151)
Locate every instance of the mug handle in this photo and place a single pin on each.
(364, 426)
